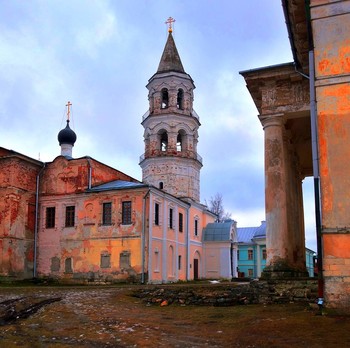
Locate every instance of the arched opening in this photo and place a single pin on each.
(164, 141)
(165, 98)
(180, 97)
(179, 143)
(161, 185)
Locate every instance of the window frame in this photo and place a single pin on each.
(181, 222)
(70, 216)
(107, 213)
(171, 218)
(157, 214)
(196, 227)
(126, 213)
(50, 219)
(250, 254)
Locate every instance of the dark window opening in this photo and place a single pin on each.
(70, 215)
(196, 227)
(180, 96)
(264, 254)
(156, 214)
(107, 214)
(161, 185)
(237, 254)
(164, 141)
(50, 217)
(165, 98)
(181, 222)
(179, 263)
(170, 218)
(126, 213)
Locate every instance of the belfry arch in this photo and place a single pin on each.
(281, 96)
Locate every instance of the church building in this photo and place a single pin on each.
(77, 219)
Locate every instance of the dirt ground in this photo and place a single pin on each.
(109, 317)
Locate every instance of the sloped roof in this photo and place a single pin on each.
(170, 60)
(218, 232)
(247, 234)
(117, 185)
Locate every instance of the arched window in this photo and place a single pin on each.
(165, 98)
(164, 141)
(161, 185)
(180, 97)
(179, 143)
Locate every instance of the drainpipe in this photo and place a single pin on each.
(315, 158)
(315, 165)
(36, 219)
(143, 237)
(188, 261)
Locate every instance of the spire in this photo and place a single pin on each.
(170, 60)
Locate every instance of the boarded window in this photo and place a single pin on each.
(105, 260)
(50, 217)
(68, 265)
(55, 264)
(126, 213)
(107, 214)
(70, 216)
(124, 259)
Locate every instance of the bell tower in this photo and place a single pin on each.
(171, 161)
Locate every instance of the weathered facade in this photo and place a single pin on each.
(305, 112)
(81, 220)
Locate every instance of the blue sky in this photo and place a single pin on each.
(99, 54)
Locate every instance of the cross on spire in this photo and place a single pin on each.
(68, 105)
(170, 22)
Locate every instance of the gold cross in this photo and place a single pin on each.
(69, 104)
(170, 21)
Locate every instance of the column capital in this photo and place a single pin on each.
(272, 120)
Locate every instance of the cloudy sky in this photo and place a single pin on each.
(99, 54)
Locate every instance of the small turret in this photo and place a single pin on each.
(67, 137)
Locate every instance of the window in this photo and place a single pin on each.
(264, 254)
(171, 218)
(55, 264)
(105, 260)
(68, 265)
(70, 214)
(161, 185)
(196, 227)
(250, 272)
(164, 141)
(181, 222)
(250, 254)
(50, 217)
(237, 254)
(179, 143)
(156, 214)
(124, 259)
(107, 214)
(126, 213)
(179, 262)
(165, 98)
(180, 97)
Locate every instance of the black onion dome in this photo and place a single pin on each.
(67, 136)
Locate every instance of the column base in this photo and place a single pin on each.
(281, 270)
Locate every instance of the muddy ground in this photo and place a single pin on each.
(110, 317)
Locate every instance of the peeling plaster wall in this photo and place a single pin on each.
(331, 27)
(17, 215)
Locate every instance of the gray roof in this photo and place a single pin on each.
(247, 234)
(117, 185)
(218, 232)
